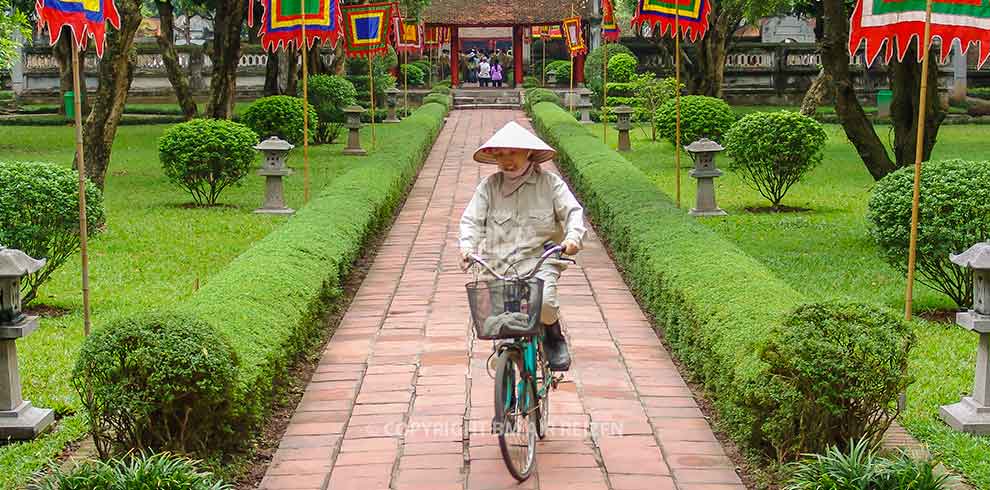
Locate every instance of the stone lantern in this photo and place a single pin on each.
(273, 169)
(623, 124)
(18, 419)
(584, 104)
(354, 130)
(703, 153)
(393, 94)
(972, 413)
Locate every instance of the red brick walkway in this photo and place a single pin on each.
(401, 399)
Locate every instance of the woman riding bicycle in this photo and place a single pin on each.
(515, 211)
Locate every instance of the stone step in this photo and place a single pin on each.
(488, 106)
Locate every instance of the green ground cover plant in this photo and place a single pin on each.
(730, 320)
(155, 249)
(828, 254)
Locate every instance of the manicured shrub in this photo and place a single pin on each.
(279, 115)
(531, 82)
(701, 117)
(330, 94)
(593, 66)
(772, 151)
(39, 215)
(719, 308)
(621, 67)
(536, 95)
(162, 471)
(425, 66)
(357, 73)
(860, 467)
(440, 89)
(159, 380)
(650, 93)
(438, 98)
(561, 69)
(954, 214)
(206, 156)
(414, 75)
(844, 365)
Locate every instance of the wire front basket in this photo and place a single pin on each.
(505, 309)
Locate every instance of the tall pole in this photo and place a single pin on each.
(305, 98)
(604, 91)
(81, 164)
(677, 103)
(543, 73)
(371, 87)
(405, 81)
(918, 150)
(571, 52)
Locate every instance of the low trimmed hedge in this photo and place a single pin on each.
(724, 312)
(271, 301)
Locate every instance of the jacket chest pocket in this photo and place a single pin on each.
(541, 220)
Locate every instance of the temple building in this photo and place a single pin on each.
(514, 18)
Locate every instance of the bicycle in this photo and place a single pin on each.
(508, 308)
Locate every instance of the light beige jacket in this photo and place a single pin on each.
(504, 229)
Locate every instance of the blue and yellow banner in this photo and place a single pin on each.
(367, 28)
(690, 16)
(84, 17)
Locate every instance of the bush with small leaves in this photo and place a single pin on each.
(438, 98)
(205, 156)
(330, 94)
(440, 89)
(954, 213)
(39, 215)
(701, 117)
(650, 93)
(159, 380)
(561, 70)
(413, 74)
(772, 151)
(161, 471)
(536, 95)
(531, 82)
(593, 66)
(843, 365)
(279, 115)
(621, 68)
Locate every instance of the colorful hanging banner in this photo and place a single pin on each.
(660, 14)
(436, 35)
(574, 36)
(408, 35)
(281, 23)
(610, 29)
(897, 21)
(84, 17)
(367, 28)
(534, 32)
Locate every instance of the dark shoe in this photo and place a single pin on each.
(556, 346)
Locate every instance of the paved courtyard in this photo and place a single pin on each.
(401, 398)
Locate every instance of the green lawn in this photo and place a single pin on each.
(152, 252)
(826, 253)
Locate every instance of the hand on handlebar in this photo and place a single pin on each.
(465, 261)
(570, 248)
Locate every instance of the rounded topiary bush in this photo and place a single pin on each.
(440, 89)
(772, 151)
(413, 74)
(206, 156)
(39, 215)
(438, 98)
(159, 380)
(279, 115)
(530, 82)
(593, 65)
(843, 366)
(161, 471)
(561, 69)
(330, 94)
(621, 68)
(537, 95)
(954, 214)
(701, 117)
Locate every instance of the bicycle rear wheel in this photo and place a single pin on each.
(543, 387)
(515, 415)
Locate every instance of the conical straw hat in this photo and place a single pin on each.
(514, 136)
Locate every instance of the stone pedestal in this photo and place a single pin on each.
(623, 124)
(703, 152)
(392, 95)
(353, 126)
(273, 169)
(584, 104)
(972, 413)
(18, 419)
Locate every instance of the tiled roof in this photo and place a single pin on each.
(504, 12)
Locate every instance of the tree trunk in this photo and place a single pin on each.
(339, 66)
(271, 74)
(62, 51)
(857, 126)
(292, 75)
(906, 81)
(816, 94)
(226, 56)
(116, 70)
(709, 71)
(176, 76)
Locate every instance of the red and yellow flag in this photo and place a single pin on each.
(84, 17)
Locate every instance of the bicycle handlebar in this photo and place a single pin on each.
(555, 249)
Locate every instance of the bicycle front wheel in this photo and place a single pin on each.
(515, 415)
